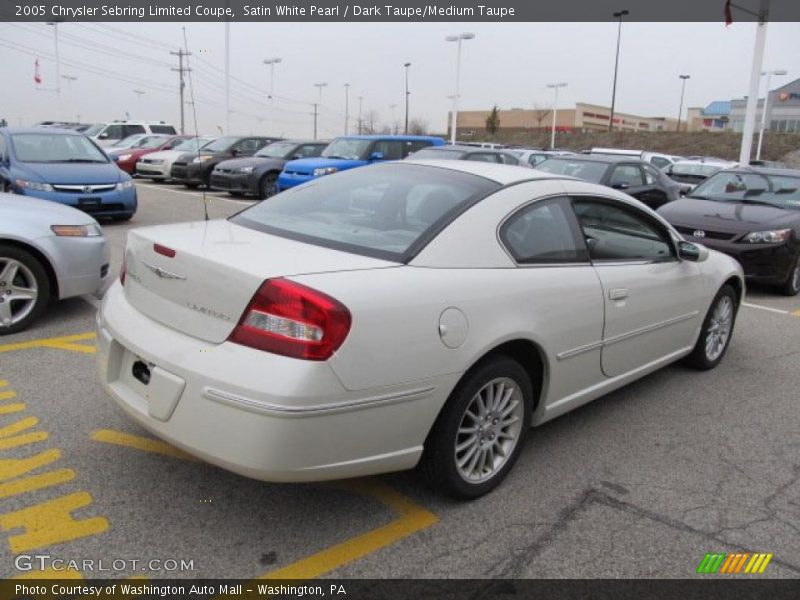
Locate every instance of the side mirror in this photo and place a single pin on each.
(296, 157)
(622, 185)
(376, 156)
(235, 152)
(114, 157)
(692, 252)
(102, 136)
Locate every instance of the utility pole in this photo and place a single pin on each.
(54, 24)
(680, 106)
(346, 107)
(360, 101)
(180, 54)
(227, 76)
(406, 65)
(617, 15)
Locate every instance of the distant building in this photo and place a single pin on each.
(583, 118)
(714, 117)
(783, 110)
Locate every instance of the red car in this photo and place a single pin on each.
(126, 157)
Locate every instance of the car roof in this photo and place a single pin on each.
(39, 130)
(502, 174)
(464, 148)
(765, 171)
(601, 158)
(408, 138)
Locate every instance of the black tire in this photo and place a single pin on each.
(791, 287)
(237, 194)
(439, 463)
(121, 218)
(5, 186)
(192, 186)
(700, 358)
(267, 186)
(39, 277)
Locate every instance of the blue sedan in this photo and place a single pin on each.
(66, 167)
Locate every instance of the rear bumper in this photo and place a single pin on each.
(259, 414)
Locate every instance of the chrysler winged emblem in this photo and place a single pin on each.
(162, 273)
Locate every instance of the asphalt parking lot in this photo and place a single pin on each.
(641, 483)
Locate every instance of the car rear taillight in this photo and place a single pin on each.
(123, 269)
(293, 320)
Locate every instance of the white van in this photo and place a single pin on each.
(658, 160)
(108, 134)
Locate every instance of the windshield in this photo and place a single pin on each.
(276, 150)
(95, 129)
(221, 144)
(346, 148)
(387, 211)
(55, 148)
(193, 144)
(582, 169)
(149, 141)
(443, 154)
(780, 190)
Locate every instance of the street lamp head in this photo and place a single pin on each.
(621, 13)
(685, 76)
(272, 61)
(778, 72)
(320, 85)
(406, 65)
(467, 36)
(451, 38)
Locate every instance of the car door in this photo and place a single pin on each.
(653, 300)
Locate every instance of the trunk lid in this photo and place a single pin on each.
(204, 288)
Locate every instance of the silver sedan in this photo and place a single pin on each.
(48, 251)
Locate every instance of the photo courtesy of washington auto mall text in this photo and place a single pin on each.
(399, 299)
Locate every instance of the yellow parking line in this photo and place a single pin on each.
(796, 313)
(60, 343)
(412, 518)
(109, 436)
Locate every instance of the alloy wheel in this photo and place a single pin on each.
(18, 291)
(719, 328)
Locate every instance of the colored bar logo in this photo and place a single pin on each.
(732, 564)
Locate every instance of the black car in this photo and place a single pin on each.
(635, 177)
(258, 174)
(194, 168)
(465, 152)
(752, 214)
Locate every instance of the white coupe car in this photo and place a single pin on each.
(403, 313)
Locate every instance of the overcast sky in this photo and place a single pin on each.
(507, 64)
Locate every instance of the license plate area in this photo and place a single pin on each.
(150, 388)
(89, 202)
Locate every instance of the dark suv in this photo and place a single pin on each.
(194, 168)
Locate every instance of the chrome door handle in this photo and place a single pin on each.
(617, 294)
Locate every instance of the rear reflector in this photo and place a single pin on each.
(293, 320)
(164, 251)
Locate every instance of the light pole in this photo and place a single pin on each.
(394, 120)
(139, 94)
(680, 106)
(69, 79)
(319, 86)
(54, 25)
(272, 62)
(617, 15)
(554, 86)
(346, 107)
(360, 102)
(405, 129)
(765, 108)
(454, 114)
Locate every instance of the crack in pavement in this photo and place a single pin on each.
(591, 496)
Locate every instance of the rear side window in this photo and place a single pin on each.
(168, 129)
(133, 130)
(542, 232)
(391, 149)
(628, 175)
(114, 132)
(387, 211)
(660, 162)
(416, 145)
(508, 159)
(483, 157)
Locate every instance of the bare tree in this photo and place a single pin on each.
(540, 114)
(493, 121)
(370, 122)
(418, 126)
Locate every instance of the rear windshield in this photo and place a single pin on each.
(756, 188)
(193, 144)
(387, 211)
(582, 169)
(693, 169)
(55, 148)
(221, 144)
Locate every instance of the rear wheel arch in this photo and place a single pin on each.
(43, 260)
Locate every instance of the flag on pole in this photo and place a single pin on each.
(728, 14)
(37, 77)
